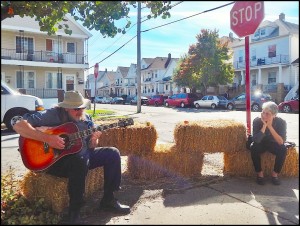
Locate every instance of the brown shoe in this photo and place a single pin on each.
(260, 180)
(114, 206)
(276, 181)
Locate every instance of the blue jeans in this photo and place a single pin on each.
(75, 168)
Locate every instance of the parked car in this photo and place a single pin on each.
(14, 105)
(181, 100)
(257, 99)
(211, 101)
(106, 100)
(117, 100)
(144, 100)
(98, 99)
(157, 100)
(289, 106)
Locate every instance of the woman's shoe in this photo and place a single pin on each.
(260, 180)
(276, 181)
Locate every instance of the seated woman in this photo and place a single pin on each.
(269, 134)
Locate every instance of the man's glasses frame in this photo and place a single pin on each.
(78, 109)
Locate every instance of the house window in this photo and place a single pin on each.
(24, 45)
(256, 34)
(272, 78)
(272, 50)
(241, 56)
(263, 32)
(26, 80)
(71, 47)
(54, 80)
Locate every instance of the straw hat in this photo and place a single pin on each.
(73, 99)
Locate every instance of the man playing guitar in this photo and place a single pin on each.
(70, 156)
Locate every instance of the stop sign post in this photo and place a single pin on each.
(245, 17)
(96, 72)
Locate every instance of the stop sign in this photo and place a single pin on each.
(246, 16)
(96, 70)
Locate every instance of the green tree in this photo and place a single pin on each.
(98, 15)
(206, 63)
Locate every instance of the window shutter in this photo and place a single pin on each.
(48, 45)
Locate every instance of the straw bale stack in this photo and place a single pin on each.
(210, 136)
(240, 163)
(54, 189)
(165, 162)
(138, 139)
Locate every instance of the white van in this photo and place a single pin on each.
(14, 105)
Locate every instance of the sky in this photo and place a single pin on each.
(174, 38)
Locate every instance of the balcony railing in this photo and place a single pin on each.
(44, 56)
(42, 93)
(283, 59)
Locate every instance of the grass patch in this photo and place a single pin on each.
(104, 115)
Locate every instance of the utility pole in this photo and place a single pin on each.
(138, 65)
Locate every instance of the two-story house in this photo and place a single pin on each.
(273, 48)
(105, 84)
(39, 64)
(156, 75)
(121, 73)
(130, 81)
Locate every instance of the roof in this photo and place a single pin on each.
(123, 71)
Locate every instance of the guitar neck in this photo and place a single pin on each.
(85, 133)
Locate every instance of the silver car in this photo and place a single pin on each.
(211, 101)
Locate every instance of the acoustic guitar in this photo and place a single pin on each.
(38, 156)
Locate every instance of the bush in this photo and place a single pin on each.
(17, 210)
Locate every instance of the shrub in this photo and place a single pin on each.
(17, 210)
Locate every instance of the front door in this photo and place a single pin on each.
(69, 82)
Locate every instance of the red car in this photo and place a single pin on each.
(157, 100)
(289, 106)
(181, 100)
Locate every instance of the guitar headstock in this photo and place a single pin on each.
(125, 122)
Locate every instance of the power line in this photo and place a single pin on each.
(205, 11)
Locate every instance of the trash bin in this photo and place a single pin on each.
(60, 95)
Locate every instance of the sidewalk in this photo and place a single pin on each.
(231, 201)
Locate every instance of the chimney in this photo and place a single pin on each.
(282, 16)
(231, 36)
(168, 60)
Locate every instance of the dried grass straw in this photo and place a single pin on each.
(210, 136)
(240, 163)
(164, 162)
(138, 139)
(54, 189)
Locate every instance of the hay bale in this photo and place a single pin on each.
(137, 139)
(164, 162)
(54, 189)
(240, 163)
(210, 136)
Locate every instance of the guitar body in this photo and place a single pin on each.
(38, 156)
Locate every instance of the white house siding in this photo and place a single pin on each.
(41, 65)
(294, 48)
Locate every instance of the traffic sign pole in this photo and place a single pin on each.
(248, 91)
(96, 72)
(245, 17)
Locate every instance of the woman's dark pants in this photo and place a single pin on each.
(258, 148)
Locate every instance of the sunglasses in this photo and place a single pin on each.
(78, 109)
